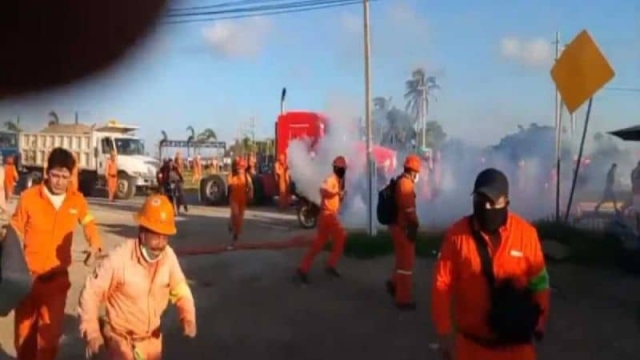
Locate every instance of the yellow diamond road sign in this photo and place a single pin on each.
(580, 71)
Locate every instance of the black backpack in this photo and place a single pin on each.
(387, 209)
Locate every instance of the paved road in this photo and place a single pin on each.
(249, 307)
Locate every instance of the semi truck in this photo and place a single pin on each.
(289, 125)
(92, 146)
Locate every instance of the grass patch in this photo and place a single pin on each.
(362, 246)
(589, 248)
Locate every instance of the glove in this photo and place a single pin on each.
(94, 346)
(189, 328)
(412, 233)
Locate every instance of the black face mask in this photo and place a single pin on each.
(339, 171)
(489, 220)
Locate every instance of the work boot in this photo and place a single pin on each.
(186, 208)
(406, 306)
(302, 277)
(391, 288)
(331, 271)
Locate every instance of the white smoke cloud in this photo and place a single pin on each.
(243, 38)
(536, 52)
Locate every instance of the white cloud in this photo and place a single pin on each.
(240, 38)
(534, 52)
(399, 35)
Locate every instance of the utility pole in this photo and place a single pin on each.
(558, 123)
(424, 116)
(368, 116)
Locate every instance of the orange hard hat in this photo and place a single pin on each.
(157, 214)
(412, 162)
(340, 161)
(281, 157)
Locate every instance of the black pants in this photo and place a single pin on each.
(180, 201)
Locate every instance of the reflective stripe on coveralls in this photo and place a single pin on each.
(47, 235)
(329, 226)
(135, 294)
(457, 275)
(404, 249)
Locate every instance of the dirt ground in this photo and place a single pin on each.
(249, 307)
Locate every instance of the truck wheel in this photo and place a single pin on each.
(213, 190)
(126, 187)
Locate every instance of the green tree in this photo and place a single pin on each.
(418, 91)
(190, 139)
(53, 118)
(12, 126)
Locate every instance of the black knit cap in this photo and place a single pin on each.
(492, 183)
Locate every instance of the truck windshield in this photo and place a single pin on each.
(127, 146)
(8, 140)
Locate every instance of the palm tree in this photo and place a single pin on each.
(53, 118)
(190, 139)
(381, 103)
(207, 135)
(163, 141)
(12, 126)
(418, 90)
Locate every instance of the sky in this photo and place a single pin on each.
(491, 58)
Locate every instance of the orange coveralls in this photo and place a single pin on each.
(328, 226)
(281, 171)
(47, 236)
(179, 161)
(240, 187)
(404, 249)
(10, 178)
(112, 177)
(458, 276)
(197, 170)
(135, 293)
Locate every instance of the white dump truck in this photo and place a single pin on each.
(92, 146)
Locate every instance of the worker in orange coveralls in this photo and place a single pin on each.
(332, 193)
(135, 282)
(45, 218)
(461, 291)
(179, 161)
(197, 170)
(404, 233)
(10, 178)
(240, 190)
(281, 171)
(252, 164)
(112, 175)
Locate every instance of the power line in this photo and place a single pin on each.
(222, 5)
(262, 10)
(622, 89)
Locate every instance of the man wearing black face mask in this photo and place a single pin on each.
(492, 264)
(332, 193)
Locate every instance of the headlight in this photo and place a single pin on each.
(137, 174)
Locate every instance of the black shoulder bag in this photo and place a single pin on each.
(514, 313)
